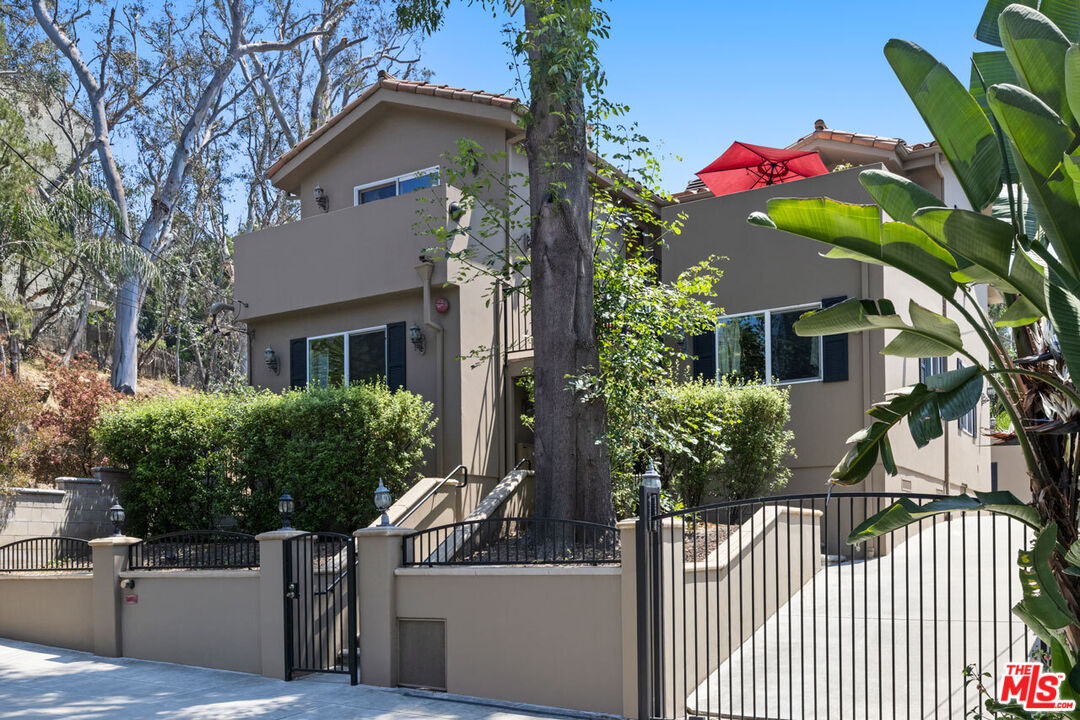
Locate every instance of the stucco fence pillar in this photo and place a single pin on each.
(110, 559)
(378, 556)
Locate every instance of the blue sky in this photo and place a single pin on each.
(699, 74)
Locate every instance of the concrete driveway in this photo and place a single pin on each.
(44, 682)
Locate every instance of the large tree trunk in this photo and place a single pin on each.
(573, 479)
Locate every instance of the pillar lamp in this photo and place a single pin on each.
(116, 517)
(285, 505)
(382, 503)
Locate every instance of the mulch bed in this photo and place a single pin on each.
(701, 538)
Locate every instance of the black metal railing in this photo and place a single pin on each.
(195, 550)
(761, 609)
(46, 553)
(513, 541)
(463, 469)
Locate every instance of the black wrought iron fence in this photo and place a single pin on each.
(195, 550)
(46, 553)
(761, 609)
(513, 541)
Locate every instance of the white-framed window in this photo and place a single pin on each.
(342, 358)
(400, 185)
(929, 366)
(763, 346)
(968, 422)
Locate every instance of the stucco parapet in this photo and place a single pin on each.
(190, 574)
(383, 531)
(30, 575)
(40, 492)
(114, 540)
(511, 570)
(627, 523)
(281, 534)
(77, 481)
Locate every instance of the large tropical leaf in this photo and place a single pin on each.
(1040, 140)
(1064, 313)
(1072, 79)
(987, 31)
(932, 333)
(988, 243)
(896, 195)
(905, 512)
(858, 229)
(955, 120)
(1036, 49)
(1065, 14)
(944, 396)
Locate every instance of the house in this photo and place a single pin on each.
(348, 291)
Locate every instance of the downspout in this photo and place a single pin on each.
(424, 270)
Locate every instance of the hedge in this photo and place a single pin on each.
(740, 444)
(200, 460)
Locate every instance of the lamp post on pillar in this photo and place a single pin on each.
(648, 665)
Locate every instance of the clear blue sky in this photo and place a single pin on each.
(699, 74)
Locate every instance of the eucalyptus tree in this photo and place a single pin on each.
(557, 40)
(1013, 136)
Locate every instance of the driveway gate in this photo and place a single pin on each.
(760, 609)
(320, 604)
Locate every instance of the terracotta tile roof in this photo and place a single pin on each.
(389, 82)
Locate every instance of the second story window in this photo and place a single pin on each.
(763, 346)
(400, 185)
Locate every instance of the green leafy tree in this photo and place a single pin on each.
(1018, 128)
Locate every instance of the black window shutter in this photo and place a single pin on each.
(395, 355)
(703, 348)
(834, 350)
(298, 362)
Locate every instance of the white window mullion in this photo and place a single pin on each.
(768, 348)
(345, 370)
(715, 353)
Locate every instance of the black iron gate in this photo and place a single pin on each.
(320, 605)
(760, 609)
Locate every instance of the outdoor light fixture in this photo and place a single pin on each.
(456, 211)
(321, 199)
(382, 503)
(285, 505)
(270, 357)
(651, 479)
(416, 337)
(116, 517)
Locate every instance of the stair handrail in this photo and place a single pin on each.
(432, 491)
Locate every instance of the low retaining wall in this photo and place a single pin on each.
(77, 507)
(48, 608)
(542, 635)
(198, 617)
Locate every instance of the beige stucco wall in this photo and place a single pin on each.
(48, 608)
(551, 636)
(767, 269)
(208, 618)
(1012, 474)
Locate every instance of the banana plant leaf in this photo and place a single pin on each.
(954, 117)
(987, 30)
(1036, 50)
(899, 197)
(1063, 13)
(905, 512)
(928, 335)
(1040, 140)
(859, 229)
(1064, 310)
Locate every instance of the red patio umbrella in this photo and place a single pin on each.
(745, 167)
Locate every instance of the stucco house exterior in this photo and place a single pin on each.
(348, 291)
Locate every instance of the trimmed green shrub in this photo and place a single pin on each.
(736, 445)
(197, 460)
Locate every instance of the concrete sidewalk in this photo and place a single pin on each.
(37, 681)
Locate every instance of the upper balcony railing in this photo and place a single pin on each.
(356, 252)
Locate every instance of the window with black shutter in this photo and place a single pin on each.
(834, 349)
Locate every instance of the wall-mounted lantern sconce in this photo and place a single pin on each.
(321, 199)
(382, 503)
(128, 583)
(116, 517)
(456, 212)
(416, 337)
(271, 360)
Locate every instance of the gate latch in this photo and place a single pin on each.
(290, 591)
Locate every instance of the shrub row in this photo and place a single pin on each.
(197, 460)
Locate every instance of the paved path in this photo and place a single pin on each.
(37, 681)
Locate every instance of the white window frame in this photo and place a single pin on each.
(973, 413)
(345, 335)
(396, 180)
(768, 342)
